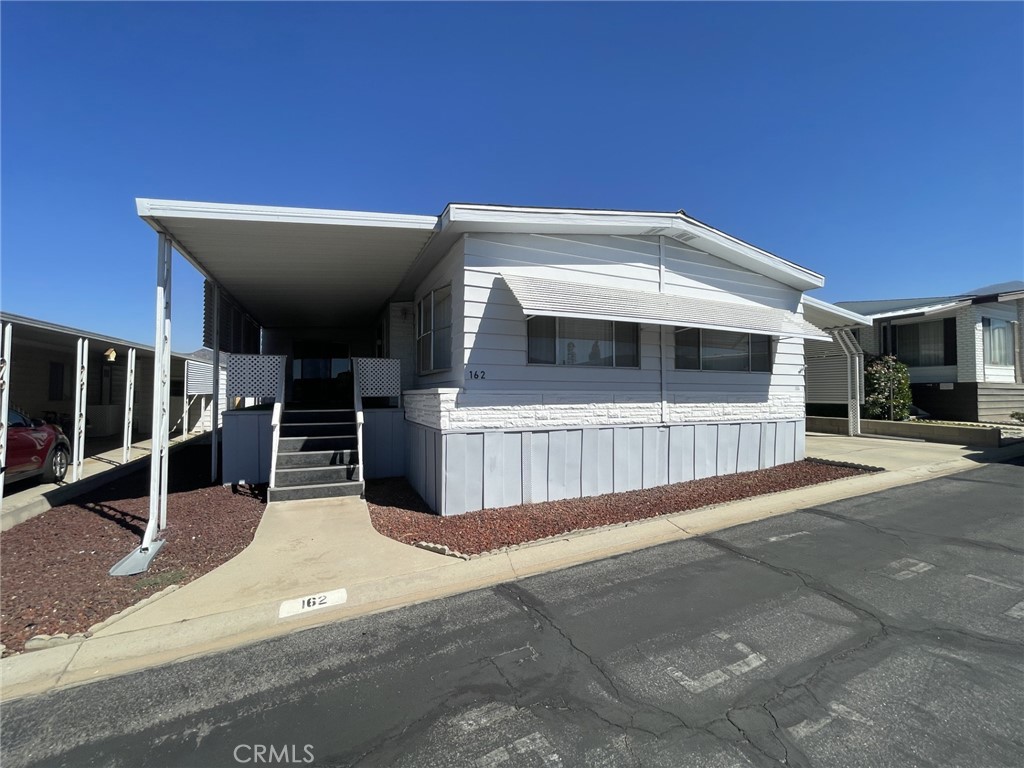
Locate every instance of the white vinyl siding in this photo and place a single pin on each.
(495, 333)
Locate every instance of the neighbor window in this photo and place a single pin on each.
(702, 349)
(58, 391)
(929, 343)
(434, 330)
(572, 341)
(998, 339)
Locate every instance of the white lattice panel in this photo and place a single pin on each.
(379, 377)
(255, 376)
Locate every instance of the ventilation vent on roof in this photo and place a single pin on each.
(653, 231)
(684, 237)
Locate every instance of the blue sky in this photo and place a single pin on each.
(881, 144)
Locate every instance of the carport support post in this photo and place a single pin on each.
(81, 393)
(165, 386)
(129, 408)
(215, 417)
(161, 394)
(5, 399)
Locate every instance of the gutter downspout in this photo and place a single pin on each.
(854, 368)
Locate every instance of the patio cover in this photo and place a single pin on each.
(560, 298)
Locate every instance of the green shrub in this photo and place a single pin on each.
(886, 389)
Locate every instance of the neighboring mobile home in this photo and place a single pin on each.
(964, 352)
(43, 381)
(544, 353)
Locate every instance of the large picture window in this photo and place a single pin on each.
(434, 331)
(702, 349)
(571, 341)
(924, 344)
(998, 340)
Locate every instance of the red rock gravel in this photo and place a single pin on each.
(397, 511)
(54, 567)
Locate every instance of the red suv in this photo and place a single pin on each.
(35, 448)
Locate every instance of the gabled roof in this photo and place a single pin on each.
(1010, 286)
(319, 268)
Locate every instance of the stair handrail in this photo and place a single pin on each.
(275, 436)
(357, 397)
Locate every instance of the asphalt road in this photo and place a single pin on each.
(885, 630)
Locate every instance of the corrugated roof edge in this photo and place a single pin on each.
(44, 325)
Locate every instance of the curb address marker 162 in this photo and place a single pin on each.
(312, 602)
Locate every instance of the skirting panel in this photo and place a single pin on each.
(424, 468)
(457, 473)
(384, 443)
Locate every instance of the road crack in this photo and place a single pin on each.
(899, 531)
(636, 707)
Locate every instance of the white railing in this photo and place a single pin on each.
(357, 395)
(275, 436)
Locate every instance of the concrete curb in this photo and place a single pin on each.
(42, 642)
(115, 653)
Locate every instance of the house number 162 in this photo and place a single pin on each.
(476, 374)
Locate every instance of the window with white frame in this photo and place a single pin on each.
(998, 340)
(574, 341)
(703, 349)
(434, 331)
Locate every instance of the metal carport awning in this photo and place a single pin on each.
(561, 298)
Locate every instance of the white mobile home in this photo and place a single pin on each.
(542, 353)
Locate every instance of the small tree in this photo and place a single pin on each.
(886, 389)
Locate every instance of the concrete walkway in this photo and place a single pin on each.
(315, 562)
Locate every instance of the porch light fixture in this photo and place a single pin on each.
(110, 355)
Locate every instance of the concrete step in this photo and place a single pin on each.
(320, 415)
(316, 458)
(290, 444)
(319, 429)
(298, 492)
(297, 476)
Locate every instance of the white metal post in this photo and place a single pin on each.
(129, 408)
(5, 400)
(858, 378)
(139, 558)
(157, 479)
(81, 400)
(215, 419)
(184, 410)
(358, 404)
(165, 435)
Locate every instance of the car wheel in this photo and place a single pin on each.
(56, 465)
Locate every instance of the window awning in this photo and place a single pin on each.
(560, 298)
